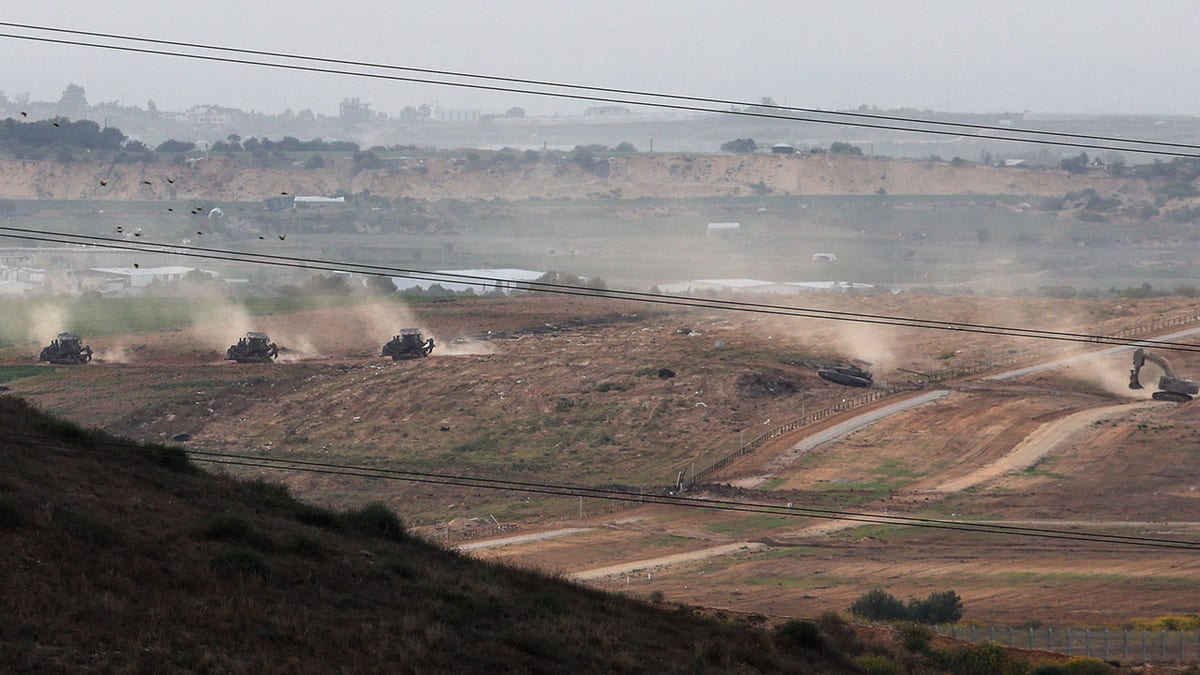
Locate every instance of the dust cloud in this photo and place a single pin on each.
(218, 322)
(116, 353)
(1111, 375)
(866, 342)
(46, 322)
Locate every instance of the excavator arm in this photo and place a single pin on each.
(1140, 357)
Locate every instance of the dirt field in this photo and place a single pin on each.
(561, 390)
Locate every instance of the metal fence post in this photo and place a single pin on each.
(1163, 642)
(1087, 642)
(1069, 642)
(1125, 644)
(1031, 637)
(1105, 644)
(1049, 638)
(1143, 645)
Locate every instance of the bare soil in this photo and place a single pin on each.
(568, 391)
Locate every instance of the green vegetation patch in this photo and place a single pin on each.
(752, 524)
(10, 373)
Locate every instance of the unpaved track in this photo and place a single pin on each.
(839, 430)
(1080, 358)
(663, 561)
(1038, 444)
(521, 538)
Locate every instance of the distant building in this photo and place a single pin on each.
(354, 110)
(457, 115)
(783, 149)
(504, 280)
(724, 228)
(317, 199)
(206, 117)
(824, 257)
(140, 277)
(606, 111)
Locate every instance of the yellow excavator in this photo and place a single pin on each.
(1170, 387)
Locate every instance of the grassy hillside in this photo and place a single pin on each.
(128, 558)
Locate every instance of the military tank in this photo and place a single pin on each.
(409, 344)
(847, 374)
(254, 348)
(67, 349)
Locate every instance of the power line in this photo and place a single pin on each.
(610, 99)
(582, 87)
(564, 289)
(714, 504)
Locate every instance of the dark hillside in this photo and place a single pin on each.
(124, 558)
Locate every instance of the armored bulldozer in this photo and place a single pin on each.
(847, 374)
(66, 349)
(254, 348)
(407, 345)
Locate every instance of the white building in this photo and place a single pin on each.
(140, 277)
(504, 280)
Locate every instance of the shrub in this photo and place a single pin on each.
(231, 528)
(915, 637)
(944, 607)
(240, 562)
(376, 520)
(802, 634)
(879, 605)
(11, 514)
(322, 518)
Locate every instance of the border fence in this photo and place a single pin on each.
(689, 477)
(1136, 646)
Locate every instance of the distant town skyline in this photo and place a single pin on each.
(1065, 56)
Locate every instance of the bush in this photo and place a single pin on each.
(376, 520)
(801, 634)
(944, 607)
(879, 605)
(915, 637)
(234, 529)
(322, 518)
(240, 562)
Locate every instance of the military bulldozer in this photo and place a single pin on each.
(847, 374)
(254, 348)
(407, 345)
(66, 349)
(1170, 387)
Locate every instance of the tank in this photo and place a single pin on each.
(848, 375)
(254, 348)
(66, 349)
(409, 344)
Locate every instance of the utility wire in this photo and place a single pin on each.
(564, 289)
(581, 87)
(558, 490)
(601, 99)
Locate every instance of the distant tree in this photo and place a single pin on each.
(136, 146)
(879, 605)
(515, 111)
(367, 161)
(840, 148)
(151, 107)
(582, 156)
(315, 162)
(377, 285)
(625, 146)
(944, 607)
(73, 100)
(172, 145)
(1076, 164)
(739, 145)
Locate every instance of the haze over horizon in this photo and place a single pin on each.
(1070, 56)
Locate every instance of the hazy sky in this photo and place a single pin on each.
(1092, 56)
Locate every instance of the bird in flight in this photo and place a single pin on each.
(103, 182)
(282, 237)
(24, 114)
(171, 180)
(146, 182)
(136, 266)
